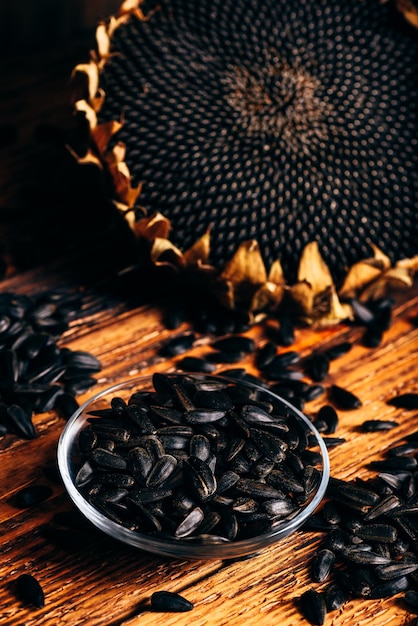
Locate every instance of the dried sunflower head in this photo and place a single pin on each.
(239, 134)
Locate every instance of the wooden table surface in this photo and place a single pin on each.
(98, 581)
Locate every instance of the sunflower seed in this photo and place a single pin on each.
(163, 468)
(21, 421)
(338, 350)
(395, 570)
(411, 598)
(343, 398)
(200, 477)
(313, 392)
(32, 495)
(190, 523)
(360, 556)
(286, 331)
(265, 355)
(317, 366)
(404, 401)
(371, 426)
(372, 337)
(334, 597)
(235, 344)
(313, 608)
(168, 601)
(389, 588)
(195, 364)
(380, 533)
(203, 416)
(383, 507)
(177, 345)
(110, 460)
(29, 590)
(394, 463)
(329, 416)
(322, 564)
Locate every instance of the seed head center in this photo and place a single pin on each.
(279, 101)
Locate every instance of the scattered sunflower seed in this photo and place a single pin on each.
(343, 398)
(170, 602)
(29, 590)
(312, 606)
(404, 401)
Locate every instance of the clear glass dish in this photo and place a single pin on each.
(269, 414)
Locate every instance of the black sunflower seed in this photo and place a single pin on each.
(313, 392)
(178, 345)
(371, 426)
(29, 590)
(339, 349)
(391, 502)
(190, 523)
(265, 354)
(195, 364)
(107, 459)
(163, 468)
(351, 491)
(235, 344)
(312, 606)
(32, 495)
(411, 598)
(379, 533)
(333, 442)
(356, 582)
(394, 463)
(47, 400)
(257, 489)
(404, 401)
(146, 495)
(203, 416)
(404, 449)
(373, 336)
(279, 508)
(322, 564)
(389, 588)
(227, 480)
(200, 477)
(66, 405)
(168, 601)
(362, 313)
(343, 398)
(223, 356)
(81, 360)
(317, 366)
(286, 330)
(334, 597)
(79, 384)
(360, 556)
(21, 421)
(390, 571)
(329, 416)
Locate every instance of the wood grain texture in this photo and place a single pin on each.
(95, 580)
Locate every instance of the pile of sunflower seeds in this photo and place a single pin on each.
(198, 458)
(36, 373)
(370, 532)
